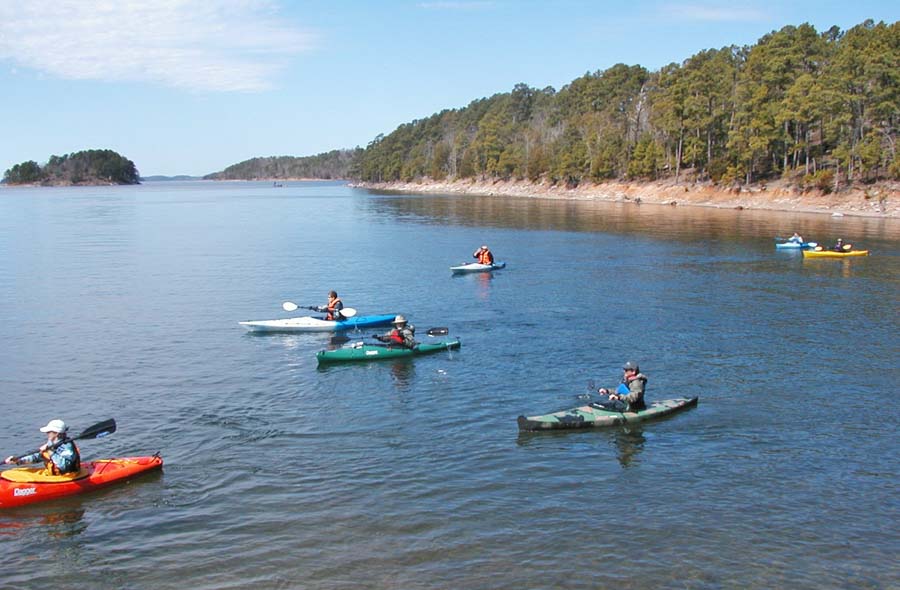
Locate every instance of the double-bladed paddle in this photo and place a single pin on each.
(347, 312)
(343, 338)
(98, 430)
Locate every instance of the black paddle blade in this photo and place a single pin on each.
(438, 331)
(98, 430)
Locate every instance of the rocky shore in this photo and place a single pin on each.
(878, 200)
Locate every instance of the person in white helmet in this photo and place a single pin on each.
(60, 455)
(402, 334)
(483, 255)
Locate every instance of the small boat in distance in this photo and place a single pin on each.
(477, 267)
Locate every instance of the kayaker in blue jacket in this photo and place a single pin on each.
(60, 455)
(630, 393)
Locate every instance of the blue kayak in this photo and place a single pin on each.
(796, 245)
(311, 324)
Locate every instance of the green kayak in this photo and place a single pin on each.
(593, 415)
(376, 352)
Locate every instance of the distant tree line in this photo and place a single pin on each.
(818, 109)
(85, 167)
(335, 164)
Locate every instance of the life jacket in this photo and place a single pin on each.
(52, 468)
(485, 257)
(334, 306)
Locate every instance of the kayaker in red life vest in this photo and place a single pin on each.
(60, 455)
(483, 255)
(401, 335)
(333, 308)
(631, 391)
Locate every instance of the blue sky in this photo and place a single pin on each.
(192, 86)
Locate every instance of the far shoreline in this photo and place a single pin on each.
(879, 200)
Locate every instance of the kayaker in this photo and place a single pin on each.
(840, 247)
(796, 238)
(631, 391)
(60, 455)
(483, 255)
(401, 335)
(333, 308)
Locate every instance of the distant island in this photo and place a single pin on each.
(333, 165)
(88, 167)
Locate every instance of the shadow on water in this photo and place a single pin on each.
(402, 370)
(628, 441)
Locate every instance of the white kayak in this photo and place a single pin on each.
(311, 324)
(477, 267)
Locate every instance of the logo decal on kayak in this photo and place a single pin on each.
(25, 491)
(371, 352)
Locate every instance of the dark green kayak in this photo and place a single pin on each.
(377, 352)
(593, 415)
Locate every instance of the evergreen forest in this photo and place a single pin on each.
(330, 165)
(84, 167)
(820, 110)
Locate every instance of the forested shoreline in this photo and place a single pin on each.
(818, 110)
(88, 167)
(325, 166)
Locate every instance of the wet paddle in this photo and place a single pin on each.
(98, 430)
(347, 312)
(343, 338)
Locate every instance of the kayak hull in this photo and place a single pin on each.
(374, 352)
(795, 245)
(311, 324)
(833, 254)
(593, 416)
(477, 267)
(30, 487)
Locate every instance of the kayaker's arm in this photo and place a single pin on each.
(32, 458)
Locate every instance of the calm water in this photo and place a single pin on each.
(124, 301)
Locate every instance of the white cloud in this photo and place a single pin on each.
(713, 13)
(217, 45)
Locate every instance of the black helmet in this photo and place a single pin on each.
(631, 366)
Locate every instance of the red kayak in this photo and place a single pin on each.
(28, 485)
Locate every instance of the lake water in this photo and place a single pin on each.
(124, 301)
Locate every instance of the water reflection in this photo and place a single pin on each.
(58, 524)
(679, 223)
(403, 372)
(629, 442)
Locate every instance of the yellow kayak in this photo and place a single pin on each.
(833, 254)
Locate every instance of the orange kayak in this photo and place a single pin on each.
(28, 485)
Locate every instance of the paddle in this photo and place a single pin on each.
(343, 338)
(609, 406)
(347, 312)
(98, 430)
